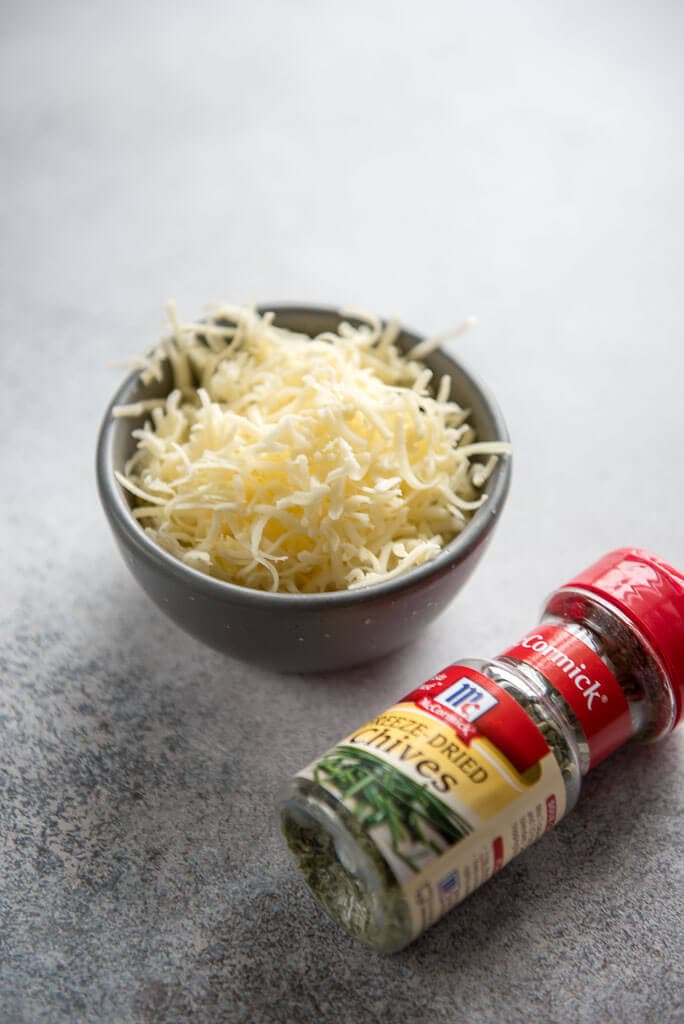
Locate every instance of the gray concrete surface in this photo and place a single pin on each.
(522, 162)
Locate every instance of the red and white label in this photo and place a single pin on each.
(474, 705)
(586, 683)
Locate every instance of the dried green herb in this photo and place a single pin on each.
(383, 795)
(363, 896)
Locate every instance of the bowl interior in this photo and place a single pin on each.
(117, 443)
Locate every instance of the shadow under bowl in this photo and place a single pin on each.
(301, 632)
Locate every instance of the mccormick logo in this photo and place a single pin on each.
(589, 688)
(467, 698)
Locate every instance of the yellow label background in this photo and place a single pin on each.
(402, 732)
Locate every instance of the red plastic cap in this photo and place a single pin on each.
(651, 594)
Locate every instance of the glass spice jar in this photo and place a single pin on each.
(409, 814)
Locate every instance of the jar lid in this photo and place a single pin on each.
(650, 593)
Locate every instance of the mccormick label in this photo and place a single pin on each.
(450, 784)
(586, 683)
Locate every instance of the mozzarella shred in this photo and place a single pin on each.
(292, 464)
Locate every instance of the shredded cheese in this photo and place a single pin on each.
(285, 463)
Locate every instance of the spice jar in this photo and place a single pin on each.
(410, 813)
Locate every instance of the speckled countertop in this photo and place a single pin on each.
(522, 162)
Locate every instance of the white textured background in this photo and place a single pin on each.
(520, 161)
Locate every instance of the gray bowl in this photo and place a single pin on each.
(293, 632)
